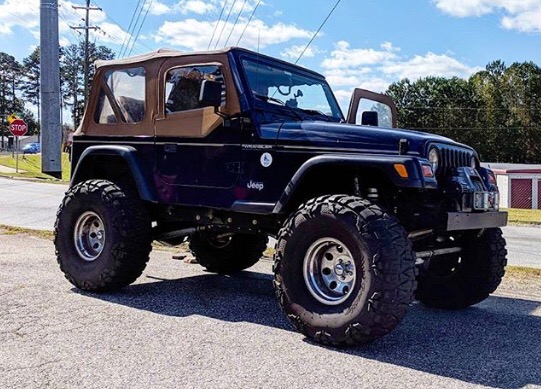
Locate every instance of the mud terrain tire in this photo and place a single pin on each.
(227, 255)
(102, 236)
(350, 233)
(460, 280)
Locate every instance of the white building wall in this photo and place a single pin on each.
(504, 186)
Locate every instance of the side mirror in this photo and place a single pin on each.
(210, 94)
(369, 118)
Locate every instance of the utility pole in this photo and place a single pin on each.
(87, 28)
(51, 135)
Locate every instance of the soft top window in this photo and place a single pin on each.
(127, 87)
(183, 85)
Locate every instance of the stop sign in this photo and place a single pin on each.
(18, 127)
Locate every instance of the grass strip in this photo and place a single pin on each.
(31, 165)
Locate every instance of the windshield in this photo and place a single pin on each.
(300, 93)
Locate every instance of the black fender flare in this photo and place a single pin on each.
(385, 164)
(129, 155)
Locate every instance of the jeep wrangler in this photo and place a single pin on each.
(226, 148)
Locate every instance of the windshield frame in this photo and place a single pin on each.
(287, 110)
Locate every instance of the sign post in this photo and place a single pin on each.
(18, 128)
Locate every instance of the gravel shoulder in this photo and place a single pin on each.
(179, 326)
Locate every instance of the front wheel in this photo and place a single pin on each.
(456, 281)
(344, 270)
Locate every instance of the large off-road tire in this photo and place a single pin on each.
(102, 236)
(344, 270)
(227, 253)
(456, 281)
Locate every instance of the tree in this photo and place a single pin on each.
(10, 71)
(497, 110)
(30, 85)
(72, 68)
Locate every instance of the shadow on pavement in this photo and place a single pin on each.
(496, 343)
(244, 297)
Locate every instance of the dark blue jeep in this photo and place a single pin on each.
(227, 148)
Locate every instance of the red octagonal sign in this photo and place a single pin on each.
(18, 127)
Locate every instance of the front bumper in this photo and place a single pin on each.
(457, 221)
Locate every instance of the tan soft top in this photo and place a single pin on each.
(160, 53)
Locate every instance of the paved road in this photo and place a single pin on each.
(33, 205)
(179, 327)
(29, 204)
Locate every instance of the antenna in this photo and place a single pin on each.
(318, 30)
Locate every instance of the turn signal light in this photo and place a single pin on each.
(427, 171)
(401, 170)
(491, 178)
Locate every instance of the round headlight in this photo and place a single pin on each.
(473, 162)
(434, 159)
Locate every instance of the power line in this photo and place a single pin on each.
(236, 21)
(133, 28)
(123, 29)
(76, 34)
(141, 26)
(87, 28)
(217, 23)
(318, 30)
(225, 23)
(247, 23)
(129, 27)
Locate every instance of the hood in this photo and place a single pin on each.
(348, 136)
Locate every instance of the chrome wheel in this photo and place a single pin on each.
(89, 236)
(329, 271)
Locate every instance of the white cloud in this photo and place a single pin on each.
(295, 51)
(345, 57)
(194, 6)
(15, 13)
(196, 34)
(429, 64)
(520, 15)
(376, 69)
(159, 8)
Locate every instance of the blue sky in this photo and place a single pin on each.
(367, 43)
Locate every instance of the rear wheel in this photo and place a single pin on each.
(456, 281)
(227, 253)
(102, 236)
(344, 270)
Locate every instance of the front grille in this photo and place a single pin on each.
(451, 158)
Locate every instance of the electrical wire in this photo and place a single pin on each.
(122, 28)
(217, 23)
(225, 23)
(318, 30)
(236, 21)
(134, 27)
(247, 23)
(129, 28)
(141, 26)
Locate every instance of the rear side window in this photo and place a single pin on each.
(183, 85)
(127, 88)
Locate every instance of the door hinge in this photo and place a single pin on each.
(234, 167)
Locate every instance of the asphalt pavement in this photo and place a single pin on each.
(180, 327)
(33, 205)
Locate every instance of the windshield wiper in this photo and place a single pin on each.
(282, 104)
(315, 112)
